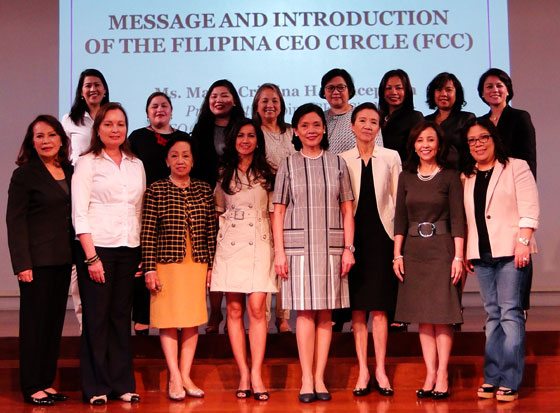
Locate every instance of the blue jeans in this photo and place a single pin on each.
(501, 290)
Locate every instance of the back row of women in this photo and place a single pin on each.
(337, 231)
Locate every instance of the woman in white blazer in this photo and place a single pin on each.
(374, 173)
(502, 211)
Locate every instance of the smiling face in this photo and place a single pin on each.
(268, 105)
(112, 129)
(246, 141)
(221, 102)
(93, 91)
(180, 160)
(366, 125)
(46, 141)
(446, 96)
(481, 145)
(159, 112)
(310, 130)
(495, 92)
(336, 93)
(394, 92)
(426, 145)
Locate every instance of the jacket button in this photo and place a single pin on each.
(250, 205)
(232, 242)
(250, 224)
(233, 225)
(250, 242)
(488, 216)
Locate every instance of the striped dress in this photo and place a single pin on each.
(312, 190)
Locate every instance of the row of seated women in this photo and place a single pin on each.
(322, 259)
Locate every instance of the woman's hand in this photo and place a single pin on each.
(152, 282)
(469, 267)
(522, 255)
(281, 264)
(96, 272)
(347, 262)
(456, 270)
(208, 278)
(25, 276)
(398, 268)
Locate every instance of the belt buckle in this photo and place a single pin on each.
(426, 225)
(238, 214)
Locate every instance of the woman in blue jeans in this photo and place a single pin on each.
(502, 211)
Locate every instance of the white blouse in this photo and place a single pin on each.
(79, 135)
(107, 199)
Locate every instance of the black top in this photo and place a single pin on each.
(518, 134)
(38, 218)
(207, 163)
(452, 129)
(149, 147)
(397, 128)
(480, 190)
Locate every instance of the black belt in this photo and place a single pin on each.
(428, 229)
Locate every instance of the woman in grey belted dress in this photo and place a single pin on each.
(428, 252)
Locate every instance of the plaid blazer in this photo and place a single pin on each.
(168, 213)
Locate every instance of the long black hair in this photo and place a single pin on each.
(408, 102)
(80, 107)
(259, 168)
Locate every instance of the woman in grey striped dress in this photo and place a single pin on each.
(313, 232)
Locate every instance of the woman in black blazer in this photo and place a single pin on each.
(40, 241)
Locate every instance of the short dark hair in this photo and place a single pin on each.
(334, 73)
(181, 137)
(96, 145)
(259, 166)
(363, 106)
(155, 95)
(500, 151)
(27, 150)
(500, 74)
(413, 160)
(255, 114)
(80, 107)
(301, 112)
(438, 83)
(408, 102)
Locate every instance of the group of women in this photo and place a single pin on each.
(250, 207)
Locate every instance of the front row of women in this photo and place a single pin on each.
(323, 260)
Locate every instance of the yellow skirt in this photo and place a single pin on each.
(182, 299)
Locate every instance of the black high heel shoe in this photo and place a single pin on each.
(362, 391)
(440, 395)
(43, 401)
(384, 391)
(424, 394)
(57, 397)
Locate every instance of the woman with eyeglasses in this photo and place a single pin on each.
(502, 209)
(428, 253)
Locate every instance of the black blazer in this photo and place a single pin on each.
(397, 128)
(38, 218)
(453, 129)
(518, 134)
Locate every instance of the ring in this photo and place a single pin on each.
(525, 259)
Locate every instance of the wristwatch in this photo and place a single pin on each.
(524, 241)
(351, 248)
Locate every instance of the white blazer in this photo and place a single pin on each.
(386, 167)
(512, 202)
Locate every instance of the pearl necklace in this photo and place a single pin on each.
(426, 178)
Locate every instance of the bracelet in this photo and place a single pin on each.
(460, 259)
(92, 260)
(398, 257)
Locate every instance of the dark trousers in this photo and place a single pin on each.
(41, 317)
(141, 302)
(105, 354)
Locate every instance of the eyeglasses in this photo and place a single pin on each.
(339, 88)
(482, 139)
